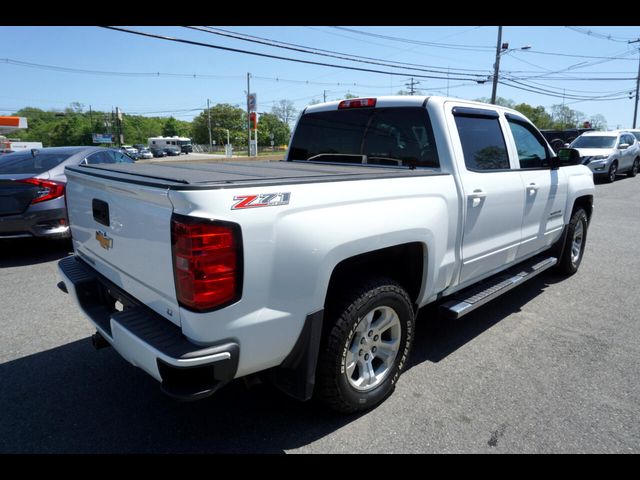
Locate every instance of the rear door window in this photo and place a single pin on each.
(482, 141)
(108, 156)
(25, 162)
(382, 136)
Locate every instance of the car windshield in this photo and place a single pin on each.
(25, 162)
(593, 141)
(637, 135)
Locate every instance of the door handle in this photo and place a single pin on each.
(477, 195)
(532, 188)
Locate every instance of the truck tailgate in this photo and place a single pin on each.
(123, 230)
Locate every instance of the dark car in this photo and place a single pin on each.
(158, 152)
(32, 186)
(172, 151)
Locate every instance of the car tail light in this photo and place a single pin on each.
(47, 189)
(207, 262)
(357, 103)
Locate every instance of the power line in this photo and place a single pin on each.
(327, 53)
(419, 42)
(58, 68)
(277, 57)
(63, 69)
(602, 36)
(550, 93)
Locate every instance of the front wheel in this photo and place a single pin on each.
(613, 171)
(634, 169)
(575, 243)
(366, 349)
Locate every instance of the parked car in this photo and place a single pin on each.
(139, 146)
(172, 151)
(131, 151)
(314, 268)
(32, 188)
(145, 153)
(158, 152)
(609, 153)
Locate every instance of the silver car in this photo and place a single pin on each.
(609, 153)
(32, 185)
(145, 153)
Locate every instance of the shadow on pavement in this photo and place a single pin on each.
(31, 251)
(436, 337)
(74, 399)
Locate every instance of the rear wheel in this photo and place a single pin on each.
(575, 243)
(366, 349)
(634, 169)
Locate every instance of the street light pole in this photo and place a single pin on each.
(496, 67)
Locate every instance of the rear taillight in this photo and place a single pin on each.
(47, 189)
(207, 262)
(357, 103)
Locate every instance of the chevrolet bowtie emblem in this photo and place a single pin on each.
(104, 241)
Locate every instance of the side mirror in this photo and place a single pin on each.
(566, 145)
(623, 146)
(566, 157)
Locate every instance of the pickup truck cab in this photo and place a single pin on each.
(313, 269)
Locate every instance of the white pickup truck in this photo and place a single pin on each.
(313, 269)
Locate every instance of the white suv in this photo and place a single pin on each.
(609, 153)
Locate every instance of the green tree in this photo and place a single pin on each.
(565, 117)
(503, 102)
(538, 115)
(223, 117)
(270, 126)
(170, 128)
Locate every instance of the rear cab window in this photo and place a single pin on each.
(396, 136)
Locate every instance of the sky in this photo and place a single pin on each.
(592, 69)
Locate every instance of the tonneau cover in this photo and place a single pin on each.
(227, 174)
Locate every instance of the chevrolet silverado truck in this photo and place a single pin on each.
(312, 270)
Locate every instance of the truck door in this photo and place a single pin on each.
(493, 199)
(544, 190)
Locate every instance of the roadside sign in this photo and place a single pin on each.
(102, 138)
(252, 100)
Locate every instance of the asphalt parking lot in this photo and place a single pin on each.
(551, 367)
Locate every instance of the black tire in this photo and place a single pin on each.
(334, 387)
(611, 174)
(634, 169)
(571, 258)
(557, 144)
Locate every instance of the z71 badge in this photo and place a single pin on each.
(261, 200)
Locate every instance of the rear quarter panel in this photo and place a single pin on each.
(291, 250)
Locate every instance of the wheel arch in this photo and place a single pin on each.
(405, 263)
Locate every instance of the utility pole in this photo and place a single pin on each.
(324, 95)
(496, 67)
(412, 83)
(248, 116)
(209, 115)
(635, 109)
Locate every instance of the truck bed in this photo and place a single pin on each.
(192, 175)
